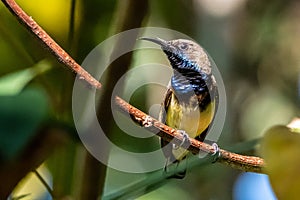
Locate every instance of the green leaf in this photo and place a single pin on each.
(13, 83)
(20, 116)
(281, 149)
(21, 197)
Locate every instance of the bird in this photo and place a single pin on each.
(191, 99)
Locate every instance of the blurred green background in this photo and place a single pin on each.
(255, 45)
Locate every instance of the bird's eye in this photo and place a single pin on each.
(183, 46)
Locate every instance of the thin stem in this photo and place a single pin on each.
(72, 23)
(43, 181)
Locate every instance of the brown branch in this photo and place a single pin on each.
(45, 39)
(246, 163)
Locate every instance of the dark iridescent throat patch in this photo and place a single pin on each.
(188, 76)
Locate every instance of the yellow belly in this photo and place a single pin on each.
(189, 118)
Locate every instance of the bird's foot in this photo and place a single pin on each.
(186, 139)
(216, 155)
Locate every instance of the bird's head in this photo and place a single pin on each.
(184, 54)
(191, 64)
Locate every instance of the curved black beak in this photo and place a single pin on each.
(159, 41)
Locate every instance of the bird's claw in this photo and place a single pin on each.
(185, 139)
(216, 155)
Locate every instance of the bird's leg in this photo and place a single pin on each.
(177, 175)
(166, 166)
(184, 140)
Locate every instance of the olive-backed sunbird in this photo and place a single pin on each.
(191, 99)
